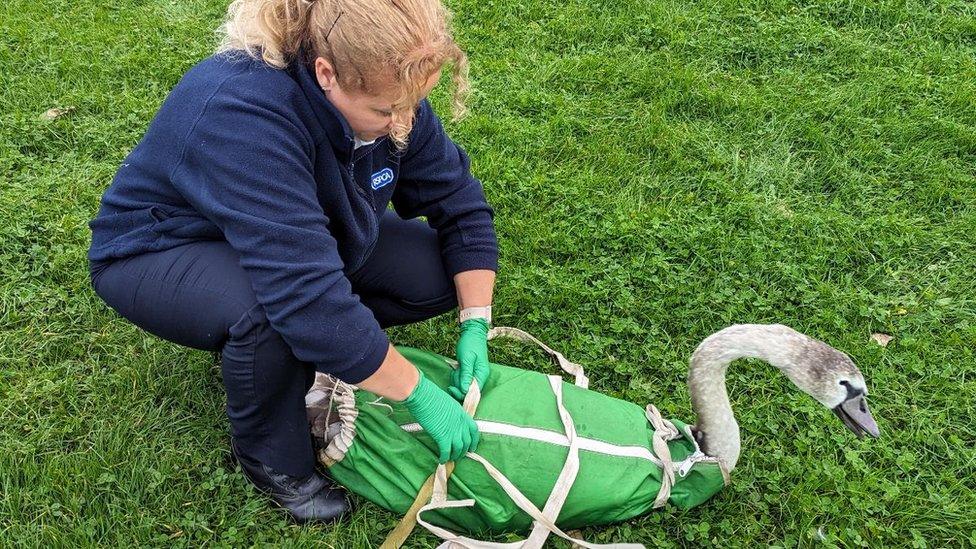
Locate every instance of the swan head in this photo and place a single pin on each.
(830, 376)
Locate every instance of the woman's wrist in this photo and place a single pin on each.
(395, 379)
(475, 288)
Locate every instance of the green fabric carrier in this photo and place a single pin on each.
(553, 456)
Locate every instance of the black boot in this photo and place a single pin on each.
(314, 498)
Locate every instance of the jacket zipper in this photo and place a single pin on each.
(372, 205)
(352, 171)
(362, 191)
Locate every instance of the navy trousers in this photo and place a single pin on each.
(197, 295)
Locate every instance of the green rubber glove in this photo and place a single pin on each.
(454, 431)
(472, 357)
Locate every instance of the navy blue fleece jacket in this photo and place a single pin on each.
(258, 157)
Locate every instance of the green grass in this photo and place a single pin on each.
(659, 170)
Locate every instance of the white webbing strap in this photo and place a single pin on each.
(570, 368)
(434, 489)
(564, 483)
(663, 432)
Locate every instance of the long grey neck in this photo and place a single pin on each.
(775, 344)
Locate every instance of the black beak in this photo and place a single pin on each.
(855, 414)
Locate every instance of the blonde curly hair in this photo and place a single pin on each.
(367, 41)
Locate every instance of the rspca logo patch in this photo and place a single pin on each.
(381, 178)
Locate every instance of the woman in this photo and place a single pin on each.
(252, 220)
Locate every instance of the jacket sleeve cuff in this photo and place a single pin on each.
(469, 260)
(372, 358)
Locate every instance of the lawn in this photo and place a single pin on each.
(659, 170)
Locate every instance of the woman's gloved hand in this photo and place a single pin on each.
(454, 431)
(472, 357)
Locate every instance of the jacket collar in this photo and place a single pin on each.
(333, 123)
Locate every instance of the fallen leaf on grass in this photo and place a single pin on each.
(881, 339)
(57, 112)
